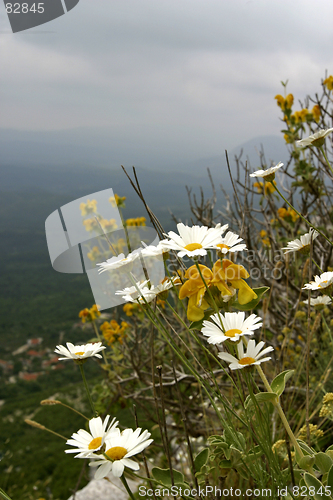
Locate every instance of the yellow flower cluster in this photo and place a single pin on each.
(132, 308)
(327, 408)
(264, 238)
(129, 309)
(266, 188)
(280, 447)
(113, 332)
(139, 221)
(287, 213)
(328, 82)
(117, 201)
(316, 113)
(88, 208)
(304, 115)
(221, 280)
(89, 314)
(284, 103)
(315, 433)
(94, 254)
(300, 116)
(107, 225)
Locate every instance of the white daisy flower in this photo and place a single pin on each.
(319, 301)
(301, 244)
(137, 292)
(230, 243)
(152, 250)
(117, 262)
(78, 352)
(270, 172)
(165, 285)
(193, 241)
(235, 325)
(86, 442)
(316, 139)
(120, 446)
(251, 357)
(320, 282)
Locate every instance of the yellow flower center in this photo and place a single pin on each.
(321, 284)
(80, 353)
(116, 452)
(246, 361)
(95, 443)
(193, 246)
(232, 332)
(223, 245)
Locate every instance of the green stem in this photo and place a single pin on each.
(87, 390)
(125, 483)
(301, 216)
(324, 154)
(210, 295)
(281, 413)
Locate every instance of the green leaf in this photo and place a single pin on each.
(323, 461)
(163, 476)
(4, 495)
(262, 397)
(253, 303)
(330, 478)
(225, 464)
(306, 462)
(305, 447)
(201, 459)
(313, 481)
(279, 383)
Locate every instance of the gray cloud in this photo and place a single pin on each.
(187, 77)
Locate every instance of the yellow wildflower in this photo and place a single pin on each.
(94, 253)
(89, 224)
(328, 82)
(139, 221)
(267, 187)
(300, 116)
(288, 214)
(264, 238)
(282, 212)
(289, 101)
(88, 208)
(316, 113)
(315, 433)
(259, 186)
(228, 273)
(129, 309)
(327, 408)
(108, 225)
(112, 331)
(195, 289)
(280, 101)
(117, 201)
(89, 314)
(160, 302)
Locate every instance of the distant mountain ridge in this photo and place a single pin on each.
(28, 165)
(95, 148)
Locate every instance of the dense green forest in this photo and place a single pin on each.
(37, 302)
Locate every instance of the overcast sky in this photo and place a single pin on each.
(191, 77)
